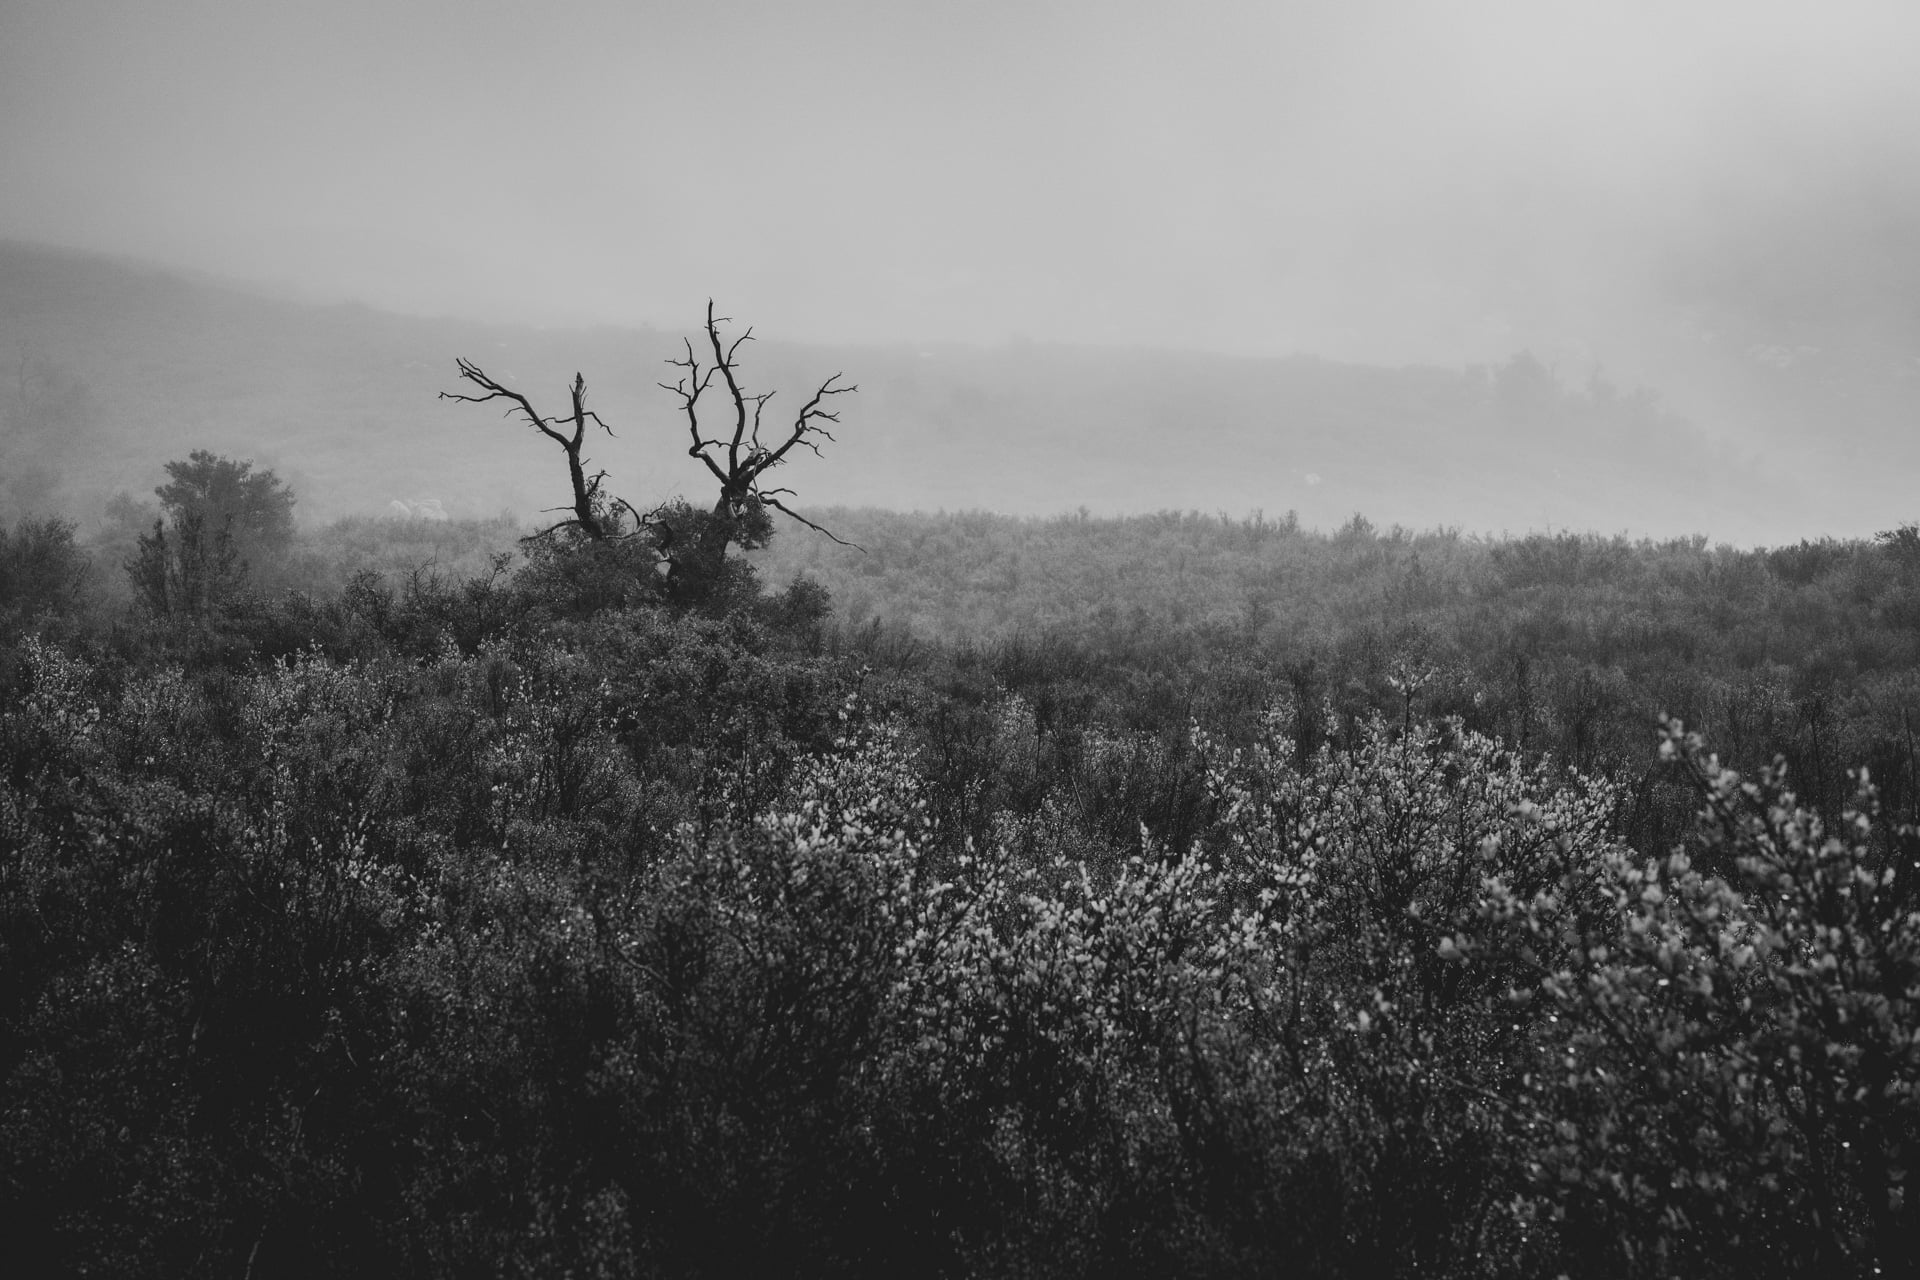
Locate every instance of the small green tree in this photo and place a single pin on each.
(41, 572)
(254, 508)
(192, 572)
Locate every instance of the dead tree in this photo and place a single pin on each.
(739, 460)
(592, 515)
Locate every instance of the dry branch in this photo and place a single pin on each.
(739, 460)
(588, 514)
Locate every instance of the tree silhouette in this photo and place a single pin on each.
(691, 544)
(254, 508)
(593, 515)
(739, 460)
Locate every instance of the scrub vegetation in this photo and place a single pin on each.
(1164, 896)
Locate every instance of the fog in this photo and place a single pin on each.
(1717, 200)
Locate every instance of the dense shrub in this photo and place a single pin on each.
(547, 922)
(42, 574)
(1737, 1094)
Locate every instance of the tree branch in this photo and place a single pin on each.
(585, 491)
(777, 505)
(495, 391)
(740, 460)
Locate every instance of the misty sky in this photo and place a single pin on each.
(1377, 181)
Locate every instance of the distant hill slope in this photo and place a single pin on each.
(973, 576)
(112, 368)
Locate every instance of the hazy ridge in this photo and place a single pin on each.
(142, 365)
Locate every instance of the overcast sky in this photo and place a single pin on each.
(1398, 181)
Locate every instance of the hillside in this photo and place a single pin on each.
(115, 367)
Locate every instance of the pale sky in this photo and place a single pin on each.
(1399, 181)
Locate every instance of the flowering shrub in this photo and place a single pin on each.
(649, 942)
(1736, 1089)
(1350, 874)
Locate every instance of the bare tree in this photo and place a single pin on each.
(592, 515)
(689, 545)
(739, 459)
